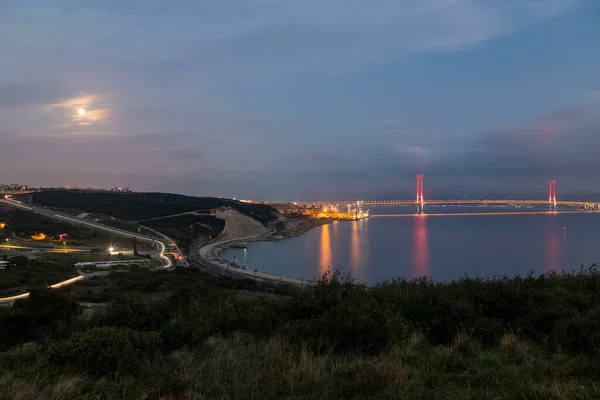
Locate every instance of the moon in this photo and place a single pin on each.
(81, 111)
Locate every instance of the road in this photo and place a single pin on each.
(180, 259)
(207, 257)
(67, 218)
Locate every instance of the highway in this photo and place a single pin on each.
(180, 260)
(67, 218)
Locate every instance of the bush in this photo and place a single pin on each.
(354, 325)
(580, 332)
(19, 261)
(32, 318)
(106, 350)
(132, 311)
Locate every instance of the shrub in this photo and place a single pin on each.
(31, 318)
(580, 332)
(106, 350)
(132, 311)
(357, 323)
(19, 261)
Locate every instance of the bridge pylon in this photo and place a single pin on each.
(420, 202)
(552, 195)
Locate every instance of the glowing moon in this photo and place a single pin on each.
(81, 111)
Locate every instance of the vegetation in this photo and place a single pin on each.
(184, 228)
(524, 337)
(24, 224)
(142, 206)
(24, 275)
(156, 284)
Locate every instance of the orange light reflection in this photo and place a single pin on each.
(354, 251)
(325, 261)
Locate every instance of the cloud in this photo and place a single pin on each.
(412, 150)
(562, 145)
(91, 116)
(92, 106)
(216, 69)
(92, 133)
(76, 102)
(187, 154)
(18, 94)
(259, 36)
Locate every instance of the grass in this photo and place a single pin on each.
(244, 367)
(191, 335)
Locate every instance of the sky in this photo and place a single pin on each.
(302, 100)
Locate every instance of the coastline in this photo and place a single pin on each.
(239, 230)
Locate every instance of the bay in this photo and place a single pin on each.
(439, 245)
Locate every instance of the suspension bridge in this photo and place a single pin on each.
(420, 202)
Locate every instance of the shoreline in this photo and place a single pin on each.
(210, 255)
(287, 228)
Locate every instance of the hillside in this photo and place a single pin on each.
(144, 206)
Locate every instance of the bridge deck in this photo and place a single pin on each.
(593, 204)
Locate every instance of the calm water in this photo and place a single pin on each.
(443, 247)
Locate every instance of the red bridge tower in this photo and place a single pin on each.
(420, 202)
(552, 195)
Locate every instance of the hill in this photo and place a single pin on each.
(144, 206)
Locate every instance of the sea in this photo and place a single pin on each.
(444, 244)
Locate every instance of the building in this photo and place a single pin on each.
(4, 264)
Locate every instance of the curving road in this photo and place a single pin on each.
(66, 218)
(208, 257)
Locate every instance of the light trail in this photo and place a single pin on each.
(15, 203)
(67, 282)
(55, 286)
(163, 248)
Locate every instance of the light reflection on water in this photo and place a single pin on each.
(354, 250)
(442, 248)
(420, 250)
(552, 246)
(325, 250)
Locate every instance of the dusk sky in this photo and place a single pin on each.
(301, 99)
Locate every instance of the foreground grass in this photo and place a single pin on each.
(524, 337)
(243, 367)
